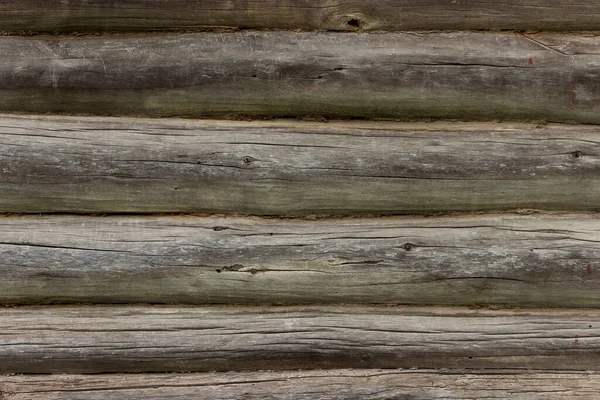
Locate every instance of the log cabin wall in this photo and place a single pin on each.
(299, 199)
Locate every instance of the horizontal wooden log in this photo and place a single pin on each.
(374, 384)
(123, 165)
(546, 261)
(176, 339)
(134, 15)
(465, 75)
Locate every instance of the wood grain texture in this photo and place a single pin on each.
(465, 75)
(293, 168)
(177, 339)
(374, 384)
(348, 15)
(546, 261)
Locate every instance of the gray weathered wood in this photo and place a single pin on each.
(348, 15)
(544, 260)
(466, 75)
(164, 339)
(374, 384)
(293, 168)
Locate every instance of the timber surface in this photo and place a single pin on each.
(465, 75)
(374, 384)
(178, 339)
(124, 165)
(537, 260)
(348, 15)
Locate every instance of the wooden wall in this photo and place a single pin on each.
(299, 199)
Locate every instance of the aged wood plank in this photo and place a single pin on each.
(348, 15)
(374, 384)
(179, 339)
(293, 168)
(538, 260)
(465, 75)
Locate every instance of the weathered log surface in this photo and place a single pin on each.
(546, 261)
(179, 339)
(374, 384)
(293, 168)
(388, 15)
(466, 75)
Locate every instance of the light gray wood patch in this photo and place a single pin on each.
(538, 260)
(374, 384)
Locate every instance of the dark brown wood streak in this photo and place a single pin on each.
(461, 75)
(347, 15)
